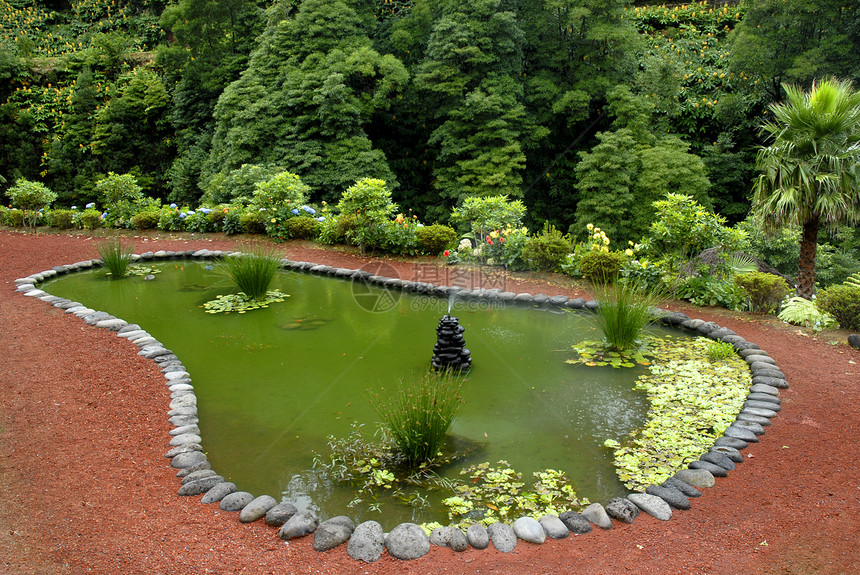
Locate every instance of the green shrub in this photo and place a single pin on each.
(711, 290)
(600, 266)
(30, 197)
(302, 227)
(146, 220)
(62, 219)
(115, 256)
(334, 230)
(481, 215)
(233, 221)
(15, 218)
(432, 240)
(281, 189)
(398, 236)
(801, 311)
(171, 219)
(197, 221)
(419, 413)
(369, 200)
(843, 303)
(765, 291)
(252, 271)
(547, 251)
(90, 219)
(216, 218)
(253, 222)
(122, 198)
(719, 350)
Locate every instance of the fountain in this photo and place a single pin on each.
(450, 351)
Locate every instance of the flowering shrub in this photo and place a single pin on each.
(303, 227)
(483, 214)
(198, 220)
(433, 239)
(547, 250)
(89, 219)
(172, 219)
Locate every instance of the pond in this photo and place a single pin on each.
(273, 384)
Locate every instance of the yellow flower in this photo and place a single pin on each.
(605, 241)
(628, 252)
(273, 220)
(589, 227)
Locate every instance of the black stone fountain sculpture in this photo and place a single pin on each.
(450, 351)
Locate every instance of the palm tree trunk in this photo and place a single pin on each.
(806, 269)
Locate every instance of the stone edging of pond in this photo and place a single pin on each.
(366, 542)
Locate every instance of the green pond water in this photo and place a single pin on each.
(273, 384)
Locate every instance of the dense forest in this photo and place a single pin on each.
(586, 110)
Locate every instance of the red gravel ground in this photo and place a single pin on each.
(85, 487)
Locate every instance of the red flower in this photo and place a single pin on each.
(489, 240)
(502, 239)
(446, 253)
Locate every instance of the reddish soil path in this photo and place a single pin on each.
(85, 488)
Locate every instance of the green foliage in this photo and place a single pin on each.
(765, 291)
(198, 221)
(283, 189)
(303, 227)
(171, 219)
(369, 200)
(779, 248)
(115, 256)
(14, 217)
(623, 313)
(499, 494)
(601, 266)
(547, 250)
(720, 350)
(121, 197)
(227, 185)
(253, 222)
(252, 271)
(146, 220)
(62, 219)
(597, 354)
(804, 312)
(692, 402)
(90, 219)
(30, 197)
(853, 280)
(480, 215)
(707, 289)
(419, 412)
(241, 303)
(842, 302)
(232, 224)
(433, 239)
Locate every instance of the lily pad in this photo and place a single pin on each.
(241, 303)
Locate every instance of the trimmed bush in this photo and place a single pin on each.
(14, 218)
(547, 251)
(90, 219)
(302, 227)
(764, 290)
(432, 240)
(843, 303)
(253, 222)
(62, 219)
(233, 222)
(146, 220)
(601, 267)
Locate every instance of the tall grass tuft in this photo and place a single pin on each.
(253, 271)
(419, 413)
(624, 311)
(115, 256)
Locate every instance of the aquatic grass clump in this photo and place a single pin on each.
(624, 311)
(252, 271)
(115, 256)
(419, 413)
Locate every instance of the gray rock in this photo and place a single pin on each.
(112, 324)
(763, 405)
(503, 537)
(740, 433)
(185, 471)
(576, 303)
(696, 477)
(763, 421)
(367, 542)
(529, 530)
(764, 398)
(332, 533)
(576, 523)
(757, 366)
(477, 536)
(745, 353)
(173, 375)
(235, 501)
(769, 371)
(714, 470)
(554, 527)
(558, 300)
(182, 420)
(199, 474)
(752, 358)
(854, 341)
(301, 524)
(187, 459)
(718, 458)
(449, 537)
(778, 382)
(731, 442)
(683, 487)
(733, 454)
(177, 440)
(185, 448)
(219, 492)
(652, 505)
(280, 514)
(200, 486)
(670, 495)
(622, 510)
(751, 426)
(707, 327)
(759, 411)
(540, 298)
(407, 541)
(595, 513)
(185, 400)
(257, 508)
(523, 297)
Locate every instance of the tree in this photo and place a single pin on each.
(30, 197)
(811, 167)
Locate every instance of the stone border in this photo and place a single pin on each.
(367, 541)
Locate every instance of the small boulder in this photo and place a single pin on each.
(235, 501)
(696, 477)
(554, 527)
(854, 341)
(622, 510)
(367, 542)
(683, 487)
(576, 523)
(257, 508)
(529, 530)
(503, 537)
(449, 537)
(596, 513)
(407, 541)
(670, 495)
(477, 536)
(280, 514)
(219, 492)
(332, 533)
(301, 524)
(652, 505)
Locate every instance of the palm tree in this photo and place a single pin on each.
(811, 168)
